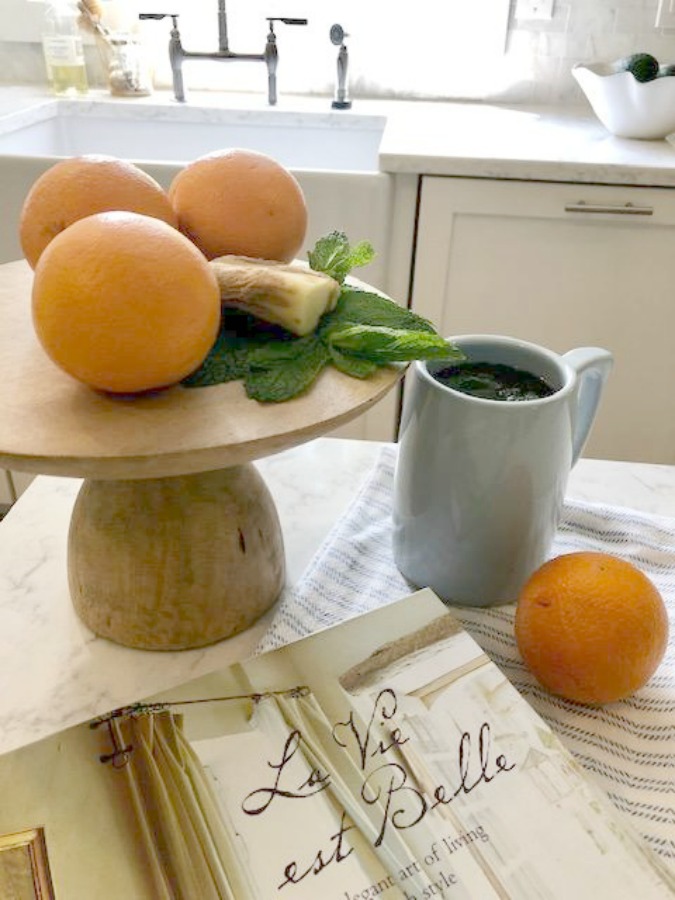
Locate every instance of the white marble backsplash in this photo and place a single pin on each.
(581, 31)
(539, 54)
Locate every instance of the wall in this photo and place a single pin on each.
(535, 68)
(93, 843)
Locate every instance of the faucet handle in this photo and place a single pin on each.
(271, 55)
(287, 21)
(158, 16)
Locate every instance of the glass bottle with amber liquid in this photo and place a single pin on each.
(63, 48)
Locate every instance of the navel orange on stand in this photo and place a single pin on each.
(242, 203)
(111, 288)
(81, 186)
(591, 627)
(125, 303)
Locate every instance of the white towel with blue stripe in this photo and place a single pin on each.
(627, 747)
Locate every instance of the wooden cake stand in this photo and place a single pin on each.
(174, 540)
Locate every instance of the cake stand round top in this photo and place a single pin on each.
(54, 425)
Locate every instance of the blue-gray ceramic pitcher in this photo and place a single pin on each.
(480, 483)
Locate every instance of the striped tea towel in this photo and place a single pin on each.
(629, 746)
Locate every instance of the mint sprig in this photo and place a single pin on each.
(363, 332)
(333, 255)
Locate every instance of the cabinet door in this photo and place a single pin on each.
(563, 265)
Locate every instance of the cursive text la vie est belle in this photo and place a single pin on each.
(387, 785)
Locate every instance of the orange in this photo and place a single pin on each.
(240, 202)
(591, 627)
(74, 188)
(125, 303)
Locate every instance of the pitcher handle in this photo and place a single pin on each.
(592, 365)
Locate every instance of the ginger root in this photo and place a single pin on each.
(285, 294)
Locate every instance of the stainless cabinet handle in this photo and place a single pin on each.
(625, 209)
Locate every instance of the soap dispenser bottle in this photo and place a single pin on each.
(63, 48)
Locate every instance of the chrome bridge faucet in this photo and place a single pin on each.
(178, 54)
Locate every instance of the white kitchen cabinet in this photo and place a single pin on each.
(563, 265)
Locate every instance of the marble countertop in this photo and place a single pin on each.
(55, 673)
(442, 138)
(528, 143)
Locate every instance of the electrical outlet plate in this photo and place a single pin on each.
(665, 14)
(540, 9)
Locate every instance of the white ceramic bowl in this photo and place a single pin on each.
(628, 107)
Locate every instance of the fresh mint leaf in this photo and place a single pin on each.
(357, 306)
(355, 366)
(334, 256)
(361, 254)
(383, 345)
(328, 253)
(273, 381)
(280, 352)
(227, 361)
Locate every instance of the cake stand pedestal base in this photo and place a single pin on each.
(175, 563)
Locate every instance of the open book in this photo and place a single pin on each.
(386, 757)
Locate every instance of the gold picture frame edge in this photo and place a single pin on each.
(34, 841)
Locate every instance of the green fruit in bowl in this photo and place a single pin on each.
(643, 66)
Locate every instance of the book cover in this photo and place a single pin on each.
(386, 757)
